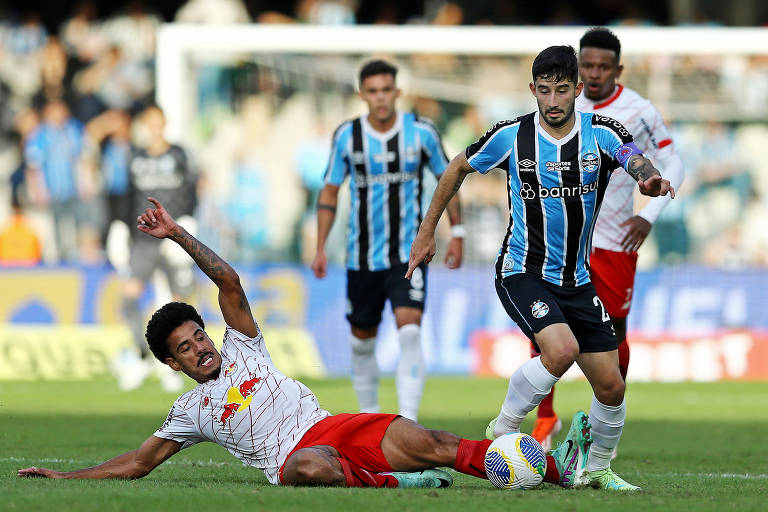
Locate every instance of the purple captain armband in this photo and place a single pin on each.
(625, 151)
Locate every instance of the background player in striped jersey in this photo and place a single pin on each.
(558, 164)
(618, 231)
(384, 154)
(270, 421)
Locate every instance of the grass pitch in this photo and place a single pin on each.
(690, 446)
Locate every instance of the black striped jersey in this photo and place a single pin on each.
(555, 188)
(386, 185)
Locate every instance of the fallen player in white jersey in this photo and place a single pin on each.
(275, 423)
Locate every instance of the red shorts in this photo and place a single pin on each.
(613, 274)
(357, 437)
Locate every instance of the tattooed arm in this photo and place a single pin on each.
(648, 178)
(232, 300)
(423, 247)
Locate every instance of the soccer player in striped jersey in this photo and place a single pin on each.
(558, 162)
(384, 154)
(618, 231)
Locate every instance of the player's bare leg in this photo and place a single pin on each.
(534, 379)
(409, 446)
(316, 465)
(607, 415)
(365, 368)
(411, 369)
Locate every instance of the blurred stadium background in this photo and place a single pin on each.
(257, 112)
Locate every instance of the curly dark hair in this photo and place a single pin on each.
(162, 324)
(601, 37)
(556, 63)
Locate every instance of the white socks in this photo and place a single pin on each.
(365, 373)
(607, 423)
(411, 371)
(409, 377)
(527, 388)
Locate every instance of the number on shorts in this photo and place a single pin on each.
(598, 302)
(628, 300)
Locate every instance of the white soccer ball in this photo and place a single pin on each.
(515, 461)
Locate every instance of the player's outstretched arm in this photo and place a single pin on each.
(134, 464)
(648, 178)
(232, 300)
(423, 247)
(326, 213)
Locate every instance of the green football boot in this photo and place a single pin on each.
(571, 455)
(607, 479)
(489, 429)
(428, 478)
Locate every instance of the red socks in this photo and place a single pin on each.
(359, 477)
(552, 476)
(623, 358)
(470, 457)
(546, 407)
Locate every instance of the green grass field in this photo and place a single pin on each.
(690, 446)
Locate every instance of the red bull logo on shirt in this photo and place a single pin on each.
(230, 369)
(238, 398)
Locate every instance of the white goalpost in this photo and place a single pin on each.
(179, 45)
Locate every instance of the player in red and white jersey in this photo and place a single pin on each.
(275, 423)
(618, 231)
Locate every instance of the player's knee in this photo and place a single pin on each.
(307, 467)
(611, 393)
(563, 355)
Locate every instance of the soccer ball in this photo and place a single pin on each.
(515, 461)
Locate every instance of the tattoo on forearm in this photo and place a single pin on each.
(457, 185)
(208, 261)
(641, 169)
(328, 207)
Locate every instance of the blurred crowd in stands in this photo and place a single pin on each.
(69, 100)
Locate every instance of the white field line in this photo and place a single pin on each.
(213, 463)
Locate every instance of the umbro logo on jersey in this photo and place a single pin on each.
(526, 165)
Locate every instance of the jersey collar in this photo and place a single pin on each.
(382, 135)
(558, 142)
(614, 96)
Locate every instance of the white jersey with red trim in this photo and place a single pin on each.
(646, 125)
(258, 414)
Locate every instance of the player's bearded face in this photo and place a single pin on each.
(193, 352)
(599, 69)
(556, 100)
(380, 93)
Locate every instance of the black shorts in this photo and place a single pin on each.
(367, 291)
(147, 255)
(534, 303)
